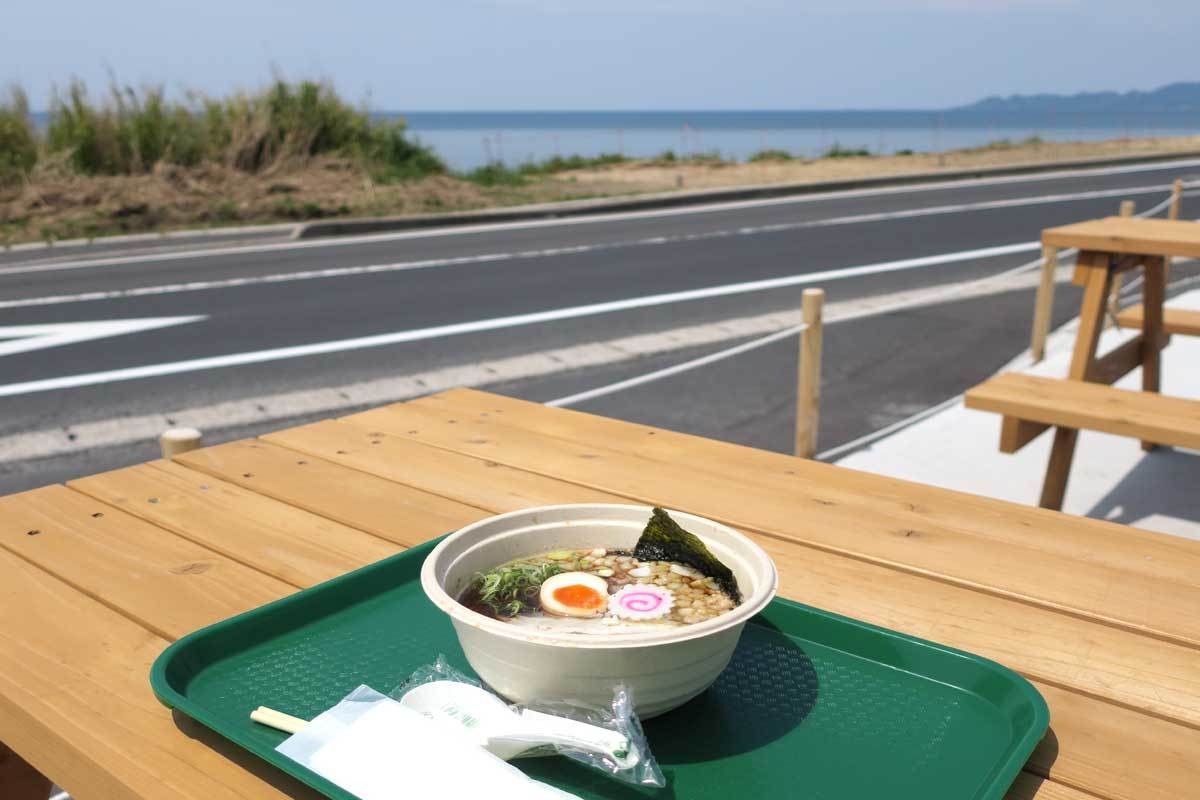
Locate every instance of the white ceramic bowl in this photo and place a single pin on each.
(663, 669)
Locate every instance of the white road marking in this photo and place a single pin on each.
(599, 217)
(499, 323)
(26, 338)
(654, 241)
(284, 405)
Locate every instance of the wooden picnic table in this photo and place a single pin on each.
(1108, 247)
(99, 575)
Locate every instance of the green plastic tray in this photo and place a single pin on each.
(813, 705)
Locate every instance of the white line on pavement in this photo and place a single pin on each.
(25, 338)
(599, 217)
(498, 323)
(655, 241)
(335, 399)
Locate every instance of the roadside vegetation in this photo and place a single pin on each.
(498, 173)
(770, 155)
(18, 145)
(135, 160)
(130, 132)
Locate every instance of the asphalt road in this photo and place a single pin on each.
(243, 303)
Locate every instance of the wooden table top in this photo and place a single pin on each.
(1159, 237)
(98, 576)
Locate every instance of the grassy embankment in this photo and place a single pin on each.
(137, 161)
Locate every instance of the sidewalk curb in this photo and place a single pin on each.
(575, 208)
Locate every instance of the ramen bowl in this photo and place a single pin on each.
(662, 668)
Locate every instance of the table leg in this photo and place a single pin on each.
(1091, 313)
(1154, 294)
(20, 781)
(1091, 323)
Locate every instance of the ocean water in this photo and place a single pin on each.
(470, 139)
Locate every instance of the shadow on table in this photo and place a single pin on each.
(1163, 483)
(767, 690)
(245, 759)
(1028, 784)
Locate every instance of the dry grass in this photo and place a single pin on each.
(651, 177)
(55, 203)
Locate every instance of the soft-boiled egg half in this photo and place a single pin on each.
(574, 594)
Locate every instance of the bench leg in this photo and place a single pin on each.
(1054, 488)
(1154, 294)
(18, 780)
(1094, 269)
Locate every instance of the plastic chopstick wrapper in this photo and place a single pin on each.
(608, 739)
(374, 747)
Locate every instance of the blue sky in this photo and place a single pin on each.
(611, 54)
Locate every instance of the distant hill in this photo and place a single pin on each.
(1172, 97)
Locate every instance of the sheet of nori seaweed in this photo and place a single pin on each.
(664, 540)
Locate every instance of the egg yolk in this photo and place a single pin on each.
(579, 596)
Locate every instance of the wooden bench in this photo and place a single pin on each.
(1175, 320)
(1073, 404)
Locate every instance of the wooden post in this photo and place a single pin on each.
(1173, 214)
(808, 389)
(19, 780)
(1044, 304)
(177, 441)
(1114, 297)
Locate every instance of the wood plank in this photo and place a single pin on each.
(1043, 307)
(167, 584)
(907, 533)
(1156, 555)
(1158, 237)
(1033, 787)
(1108, 750)
(1118, 362)
(943, 511)
(1085, 262)
(1175, 320)
(101, 730)
(1154, 288)
(1074, 755)
(295, 546)
(75, 699)
(1016, 433)
(464, 478)
(1091, 324)
(1052, 646)
(1107, 369)
(397, 513)
(1076, 404)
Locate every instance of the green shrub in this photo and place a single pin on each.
(129, 132)
(563, 164)
(224, 211)
(837, 151)
(496, 174)
(905, 152)
(397, 157)
(770, 155)
(18, 147)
